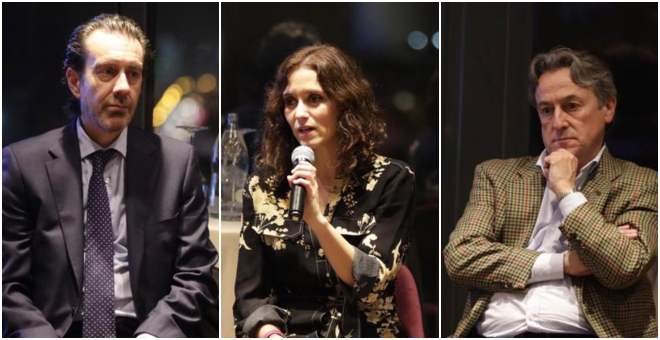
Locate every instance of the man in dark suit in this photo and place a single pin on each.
(104, 225)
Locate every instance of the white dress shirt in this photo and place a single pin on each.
(114, 180)
(549, 304)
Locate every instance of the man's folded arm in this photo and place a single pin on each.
(615, 260)
(20, 316)
(474, 256)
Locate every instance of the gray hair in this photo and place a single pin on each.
(586, 71)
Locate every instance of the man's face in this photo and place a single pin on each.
(571, 117)
(111, 81)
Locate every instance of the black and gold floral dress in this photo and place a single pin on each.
(283, 277)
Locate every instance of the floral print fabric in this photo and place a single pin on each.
(284, 278)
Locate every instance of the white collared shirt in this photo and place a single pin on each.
(549, 304)
(113, 176)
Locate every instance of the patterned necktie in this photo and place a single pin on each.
(99, 287)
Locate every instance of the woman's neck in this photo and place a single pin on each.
(326, 166)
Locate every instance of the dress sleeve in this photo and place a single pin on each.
(254, 305)
(379, 255)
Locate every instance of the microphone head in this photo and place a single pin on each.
(302, 153)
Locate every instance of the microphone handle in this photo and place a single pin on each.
(297, 203)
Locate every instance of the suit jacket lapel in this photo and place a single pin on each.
(528, 192)
(142, 172)
(64, 176)
(596, 189)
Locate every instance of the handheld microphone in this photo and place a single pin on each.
(300, 154)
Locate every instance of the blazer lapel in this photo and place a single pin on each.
(528, 192)
(597, 188)
(64, 176)
(142, 172)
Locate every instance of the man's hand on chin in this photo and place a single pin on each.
(560, 171)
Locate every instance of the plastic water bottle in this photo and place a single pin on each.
(213, 190)
(234, 170)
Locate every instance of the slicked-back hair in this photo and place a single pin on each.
(74, 55)
(359, 128)
(586, 71)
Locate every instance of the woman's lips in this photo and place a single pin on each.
(305, 131)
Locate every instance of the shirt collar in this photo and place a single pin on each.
(88, 146)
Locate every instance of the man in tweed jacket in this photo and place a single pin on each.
(560, 243)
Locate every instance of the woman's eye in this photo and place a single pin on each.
(289, 102)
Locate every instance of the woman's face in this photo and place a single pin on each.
(311, 115)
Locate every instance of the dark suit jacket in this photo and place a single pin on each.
(487, 250)
(169, 253)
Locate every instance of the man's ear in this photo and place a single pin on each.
(73, 81)
(609, 110)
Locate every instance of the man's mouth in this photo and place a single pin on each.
(563, 139)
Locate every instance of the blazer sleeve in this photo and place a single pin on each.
(254, 305)
(475, 256)
(193, 295)
(20, 317)
(616, 261)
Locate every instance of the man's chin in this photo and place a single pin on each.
(115, 124)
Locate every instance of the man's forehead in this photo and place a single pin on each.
(111, 45)
(557, 85)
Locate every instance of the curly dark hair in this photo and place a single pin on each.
(359, 128)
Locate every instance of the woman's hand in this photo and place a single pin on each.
(269, 331)
(304, 174)
(339, 252)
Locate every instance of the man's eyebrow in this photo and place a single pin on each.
(570, 97)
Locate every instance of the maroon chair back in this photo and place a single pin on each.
(408, 305)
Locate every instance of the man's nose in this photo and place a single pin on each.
(558, 118)
(121, 85)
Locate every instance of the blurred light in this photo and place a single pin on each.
(404, 100)
(417, 40)
(160, 115)
(168, 101)
(172, 95)
(206, 83)
(186, 83)
(188, 109)
(435, 40)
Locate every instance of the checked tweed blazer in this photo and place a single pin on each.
(486, 251)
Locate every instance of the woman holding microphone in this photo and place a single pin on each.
(330, 273)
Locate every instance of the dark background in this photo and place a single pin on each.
(34, 36)
(486, 49)
(404, 80)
